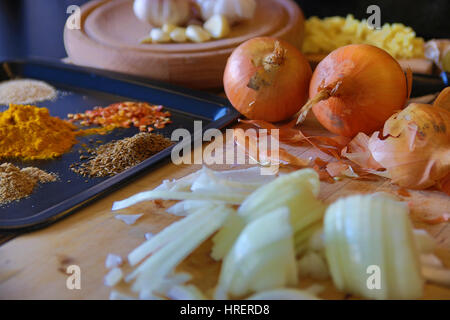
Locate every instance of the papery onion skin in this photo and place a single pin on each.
(443, 99)
(373, 87)
(415, 146)
(267, 91)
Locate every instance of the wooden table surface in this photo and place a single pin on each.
(33, 265)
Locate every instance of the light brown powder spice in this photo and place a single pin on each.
(25, 91)
(16, 183)
(117, 156)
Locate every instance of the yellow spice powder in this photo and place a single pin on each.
(29, 132)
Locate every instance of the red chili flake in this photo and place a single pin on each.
(142, 115)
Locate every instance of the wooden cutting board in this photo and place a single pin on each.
(110, 34)
(33, 265)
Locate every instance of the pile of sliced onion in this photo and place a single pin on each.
(279, 220)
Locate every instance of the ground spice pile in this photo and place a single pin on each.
(117, 156)
(29, 132)
(141, 115)
(25, 91)
(16, 183)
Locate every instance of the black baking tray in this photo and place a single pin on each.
(80, 89)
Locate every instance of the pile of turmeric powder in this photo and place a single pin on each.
(30, 133)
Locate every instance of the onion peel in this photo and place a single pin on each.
(414, 146)
(443, 99)
(283, 157)
(445, 217)
(358, 152)
(444, 184)
(291, 135)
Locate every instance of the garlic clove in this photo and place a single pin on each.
(146, 40)
(178, 35)
(197, 34)
(217, 26)
(159, 36)
(168, 27)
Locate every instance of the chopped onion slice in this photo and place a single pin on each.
(297, 191)
(186, 207)
(248, 178)
(128, 218)
(369, 241)
(236, 181)
(151, 272)
(316, 241)
(113, 261)
(170, 233)
(313, 265)
(177, 195)
(167, 283)
(227, 235)
(262, 257)
(424, 242)
(148, 235)
(113, 277)
(188, 292)
(115, 295)
(283, 294)
(182, 184)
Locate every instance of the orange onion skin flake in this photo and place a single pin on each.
(414, 146)
(369, 86)
(267, 79)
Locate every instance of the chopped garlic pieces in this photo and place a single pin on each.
(197, 34)
(168, 28)
(159, 36)
(178, 35)
(217, 26)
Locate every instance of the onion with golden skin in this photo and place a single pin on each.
(356, 88)
(267, 79)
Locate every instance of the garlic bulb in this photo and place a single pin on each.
(160, 12)
(233, 10)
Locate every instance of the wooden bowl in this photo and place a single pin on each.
(110, 33)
